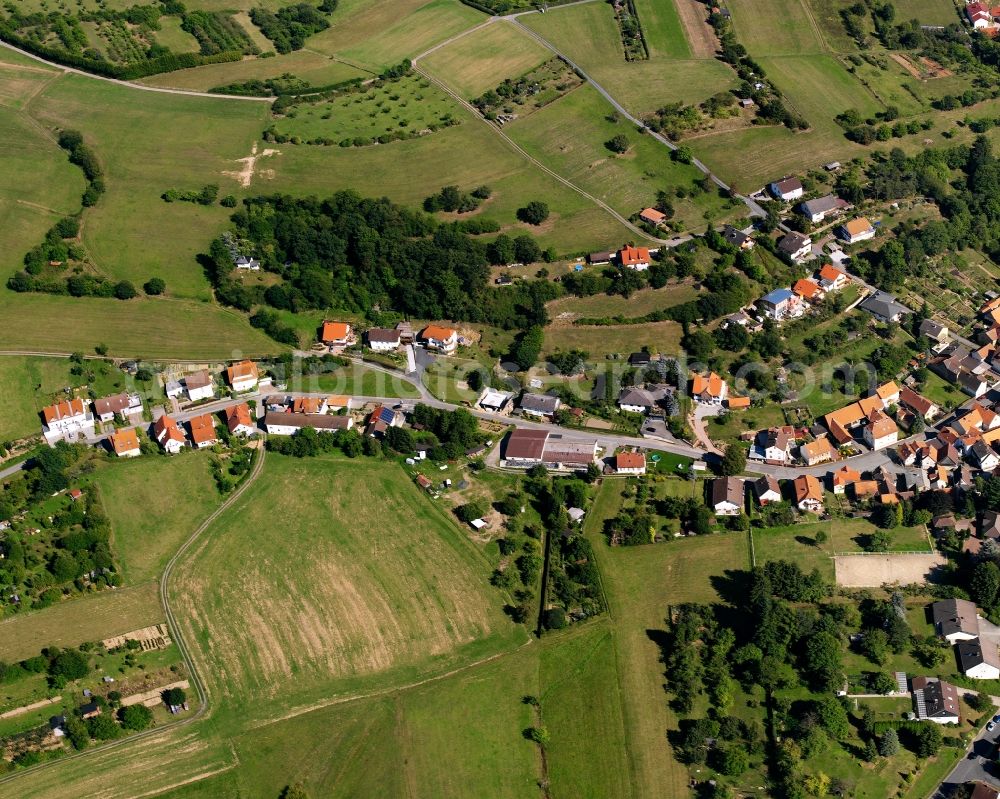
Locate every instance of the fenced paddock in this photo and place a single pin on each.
(871, 570)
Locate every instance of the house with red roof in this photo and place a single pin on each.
(636, 258)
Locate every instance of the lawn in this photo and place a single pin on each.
(171, 36)
(410, 105)
(345, 598)
(154, 504)
(20, 417)
(89, 618)
(588, 34)
(482, 59)
(569, 136)
(928, 12)
(641, 302)
(620, 339)
(357, 381)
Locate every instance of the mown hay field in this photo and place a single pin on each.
(329, 575)
(73, 621)
(482, 59)
(154, 504)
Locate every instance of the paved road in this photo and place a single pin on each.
(979, 763)
(130, 84)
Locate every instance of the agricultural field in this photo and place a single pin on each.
(569, 136)
(369, 605)
(410, 106)
(681, 68)
(641, 302)
(316, 69)
(603, 340)
(776, 28)
(154, 504)
(88, 618)
(483, 58)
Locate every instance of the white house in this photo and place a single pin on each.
(787, 189)
(766, 490)
(819, 209)
(203, 431)
(337, 335)
(125, 443)
(239, 421)
(831, 278)
(199, 386)
(636, 258)
(382, 339)
(881, 431)
(772, 445)
(781, 304)
(726, 496)
(935, 700)
(67, 416)
(173, 389)
(630, 463)
(168, 435)
(955, 620)
(979, 659)
(441, 339)
(808, 493)
(796, 246)
(856, 230)
(242, 376)
(246, 263)
(124, 405)
(285, 424)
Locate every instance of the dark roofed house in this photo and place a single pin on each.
(935, 700)
(737, 238)
(639, 359)
(726, 496)
(884, 307)
(795, 245)
(542, 405)
(817, 210)
(89, 710)
(978, 659)
(955, 619)
(600, 257)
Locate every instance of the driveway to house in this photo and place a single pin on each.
(696, 419)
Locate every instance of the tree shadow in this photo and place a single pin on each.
(805, 540)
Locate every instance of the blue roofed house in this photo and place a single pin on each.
(781, 304)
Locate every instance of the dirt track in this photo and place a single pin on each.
(699, 34)
(872, 571)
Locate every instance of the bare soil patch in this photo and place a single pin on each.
(700, 36)
(245, 175)
(872, 571)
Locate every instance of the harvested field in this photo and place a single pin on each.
(370, 579)
(872, 571)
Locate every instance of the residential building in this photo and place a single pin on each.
(984, 456)
(173, 389)
(636, 258)
(737, 238)
(819, 451)
(978, 659)
(124, 405)
(337, 335)
(881, 431)
(766, 490)
(652, 217)
(725, 495)
(955, 619)
(443, 340)
(796, 246)
(831, 278)
(242, 376)
(239, 421)
(203, 431)
(884, 307)
(630, 463)
(406, 333)
(780, 304)
(888, 393)
(842, 478)
(525, 448)
(819, 209)
(125, 443)
(979, 15)
(708, 389)
(935, 700)
(772, 445)
(382, 418)
(808, 493)
(639, 359)
(787, 189)
(199, 386)
(310, 405)
(936, 332)
(542, 406)
(247, 263)
(808, 290)
(637, 400)
(984, 791)
(382, 339)
(496, 401)
(856, 230)
(735, 403)
(338, 402)
(168, 435)
(67, 416)
(918, 403)
(285, 424)
(603, 257)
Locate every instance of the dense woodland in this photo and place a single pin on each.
(356, 254)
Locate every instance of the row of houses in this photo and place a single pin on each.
(727, 496)
(957, 621)
(338, 336)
